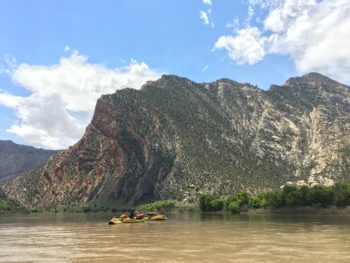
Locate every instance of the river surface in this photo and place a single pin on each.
(185, 237)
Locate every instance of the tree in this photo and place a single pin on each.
(234, 207)
(275, 199)
(208, 202)
(341, 194)
(320, 196)
(294, 198)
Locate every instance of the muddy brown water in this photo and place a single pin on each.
(185, 237)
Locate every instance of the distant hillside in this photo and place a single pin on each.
(177, 139)
(16, 159)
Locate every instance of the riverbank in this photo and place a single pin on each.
(300, 211)
(8, 206)
(192, 208)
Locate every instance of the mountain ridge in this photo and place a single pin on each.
(16, 159)
(176, 139)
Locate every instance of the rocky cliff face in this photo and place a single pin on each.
(16, 159)
(177, 139)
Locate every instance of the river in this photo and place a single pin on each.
(185, 237)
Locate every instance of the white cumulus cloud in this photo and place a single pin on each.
(204, 16)
(245, 48)
(234, 24)
(207, 2)
(314, 33)
(63, 97)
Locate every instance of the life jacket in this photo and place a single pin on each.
(125, 215)
(140, 216)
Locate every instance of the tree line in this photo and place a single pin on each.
(317, 196)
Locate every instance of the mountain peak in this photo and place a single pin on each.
(314, 75)
(165, 80)
(172, 78)
(313, 79)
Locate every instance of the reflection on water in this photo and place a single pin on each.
(186, 237)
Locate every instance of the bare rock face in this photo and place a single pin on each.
(16, 159)
(177, 139)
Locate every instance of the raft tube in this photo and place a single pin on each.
(130, 220)
(159, 217)
(115, 221)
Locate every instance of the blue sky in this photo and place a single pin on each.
(100, 46)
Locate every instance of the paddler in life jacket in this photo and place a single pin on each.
(139, 215)
(124, 215)
(131, 214)
(160, 212)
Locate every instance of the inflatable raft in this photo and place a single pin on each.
(159, 217)
(130, 220)
(125, 219)
(115, 221)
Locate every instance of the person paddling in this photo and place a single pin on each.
(160, 212)
(124, 215)
(140, 215)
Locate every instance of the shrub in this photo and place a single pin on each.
(86, 209)
(228, 201)
(304, 192)
(320, 196)
(316, 196)
(258, 201)
(6, 205)
(294, 198)
(35, 210)
(234, 207)
(237, 202)
(242, 198)
(157, 205)
(288, 189)
(275, 199)
(217, 204)
(341, 194)
(208, 202)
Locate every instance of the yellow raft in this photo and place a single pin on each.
(130, 220)
(115, 221)
(159, 217)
